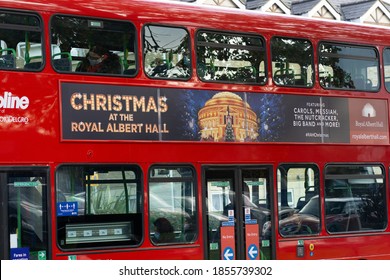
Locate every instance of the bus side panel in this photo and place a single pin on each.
(348, 247)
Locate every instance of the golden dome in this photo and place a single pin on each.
(226, 94)
(226, 97)
(226, 117)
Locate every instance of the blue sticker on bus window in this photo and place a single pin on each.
(20, 253)
(67, 209)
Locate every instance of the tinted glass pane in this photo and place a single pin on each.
(98, 206)
(230, 58)
(93, 46)
(349, 67)
(20, 42)
(386, 59)
(298, 200)
(167, 52)
(171, 172)
(172, 205)
(355, 198)
(292, 62)
(27, 214)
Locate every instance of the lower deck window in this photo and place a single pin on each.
(172, 205)
(98, 205)
(298, 199)
(355, 198)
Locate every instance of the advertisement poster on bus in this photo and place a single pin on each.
(126, 113)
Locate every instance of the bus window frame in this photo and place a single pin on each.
(93, 219)
(190, 50)
(386, 85)
(314, 74)
(355, 176)
(88, 18)
(193, 180)
(345, 44)
(5, 171)
(233, 33)
(285, 167)
(39, 28)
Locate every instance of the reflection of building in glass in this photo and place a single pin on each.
(226, 115)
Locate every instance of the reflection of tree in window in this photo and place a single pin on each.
(166, 51)
(292, 62)
(230, 57)
(348, 67)
(357, 196)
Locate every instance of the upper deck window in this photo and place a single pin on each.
(348, 67)
(386, 59)
(232, 58)
(93, 46)
(292, 62)
(167, 52)
(20, 42)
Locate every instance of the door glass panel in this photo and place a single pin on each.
(27, 215)
(221, 206)
(257, 213)
(237, 212)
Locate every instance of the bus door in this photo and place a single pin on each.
(24, 219)
(238, 206)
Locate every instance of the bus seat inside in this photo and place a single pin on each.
(7, 58)
(33, 65)
(62, 64)
(34, 50)
(62, 61)
(359, 84)
(130, 72)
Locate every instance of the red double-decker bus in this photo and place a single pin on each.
(150, 130)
